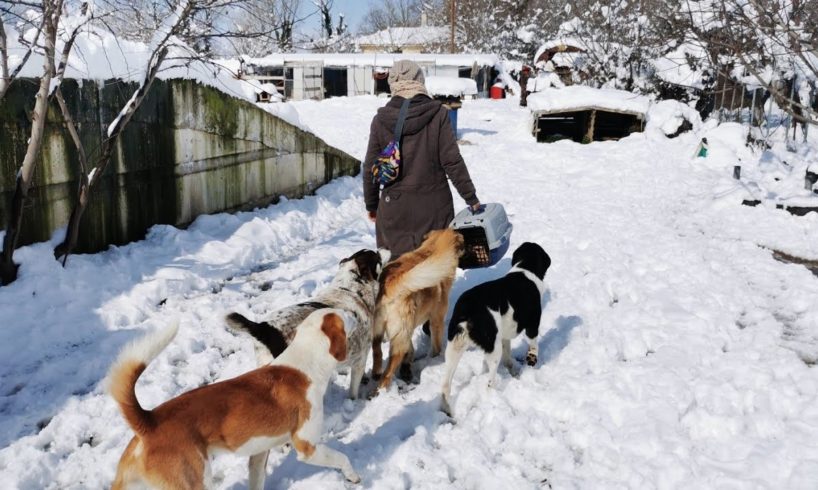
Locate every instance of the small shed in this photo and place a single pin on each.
(585, 114)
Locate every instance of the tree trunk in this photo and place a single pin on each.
(4, 62)
(8, 269)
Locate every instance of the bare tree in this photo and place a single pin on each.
(165, 39)
(391, 13)
(51, 11)
(268, 25)
(8, 10)
(511, 28)
(332, 37)
(776, 42)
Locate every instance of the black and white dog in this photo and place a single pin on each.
(353, 290)
(489, 315)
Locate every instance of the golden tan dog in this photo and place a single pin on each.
(247, 415)
(414, 289)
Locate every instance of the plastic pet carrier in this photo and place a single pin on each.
(486, 235)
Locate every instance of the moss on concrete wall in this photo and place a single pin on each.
(188, 150)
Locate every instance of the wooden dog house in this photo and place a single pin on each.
(585, 114)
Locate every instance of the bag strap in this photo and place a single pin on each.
(404, 109)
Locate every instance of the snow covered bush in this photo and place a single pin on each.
(671, 118)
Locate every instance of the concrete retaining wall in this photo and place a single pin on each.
(189, 150)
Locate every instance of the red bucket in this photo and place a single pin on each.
(497, 92)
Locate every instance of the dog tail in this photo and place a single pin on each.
(429, 272)
(130, 364)
(265, 333)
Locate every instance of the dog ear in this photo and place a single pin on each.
(369, 265)
(333, 328)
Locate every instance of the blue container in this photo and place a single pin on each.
(486, 235)
(453, 120)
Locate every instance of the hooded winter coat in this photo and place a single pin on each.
(420, 200)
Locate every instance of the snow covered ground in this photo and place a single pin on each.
(676, 352)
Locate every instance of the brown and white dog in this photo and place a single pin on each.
(248, 415)
(354, 289)
(414, 289)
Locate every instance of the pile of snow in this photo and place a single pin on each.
(448, 86)
(578, 97)
(545, 79)
(773, 176)
(669, 116)
(98, 55)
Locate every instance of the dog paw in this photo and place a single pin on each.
(531, 359)
(373, 394)
(352, 477)
(445, 407)
(405, 373)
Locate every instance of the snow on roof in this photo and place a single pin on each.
(566, 59)
(402, 36)
(554, 43)
(98, 55)
(577, 97)
(456, 87)
(384, 60)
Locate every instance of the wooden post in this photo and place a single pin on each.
(741, 103)
(589, 133)
(753, 108)
(723, 93)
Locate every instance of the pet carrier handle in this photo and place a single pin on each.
(404, 108)
(479, 209)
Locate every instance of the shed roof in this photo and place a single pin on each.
(578, 98)
(558, 45)
(402, 36)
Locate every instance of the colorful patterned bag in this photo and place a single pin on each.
(386, 167)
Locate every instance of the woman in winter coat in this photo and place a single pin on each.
(420, 200)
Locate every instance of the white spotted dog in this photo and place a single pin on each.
(354, 289)
(247, 415)
(489, 315)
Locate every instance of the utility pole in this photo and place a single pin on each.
(453, 19)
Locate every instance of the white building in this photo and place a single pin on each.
(301, 76)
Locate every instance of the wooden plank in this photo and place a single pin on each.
(589, 133)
